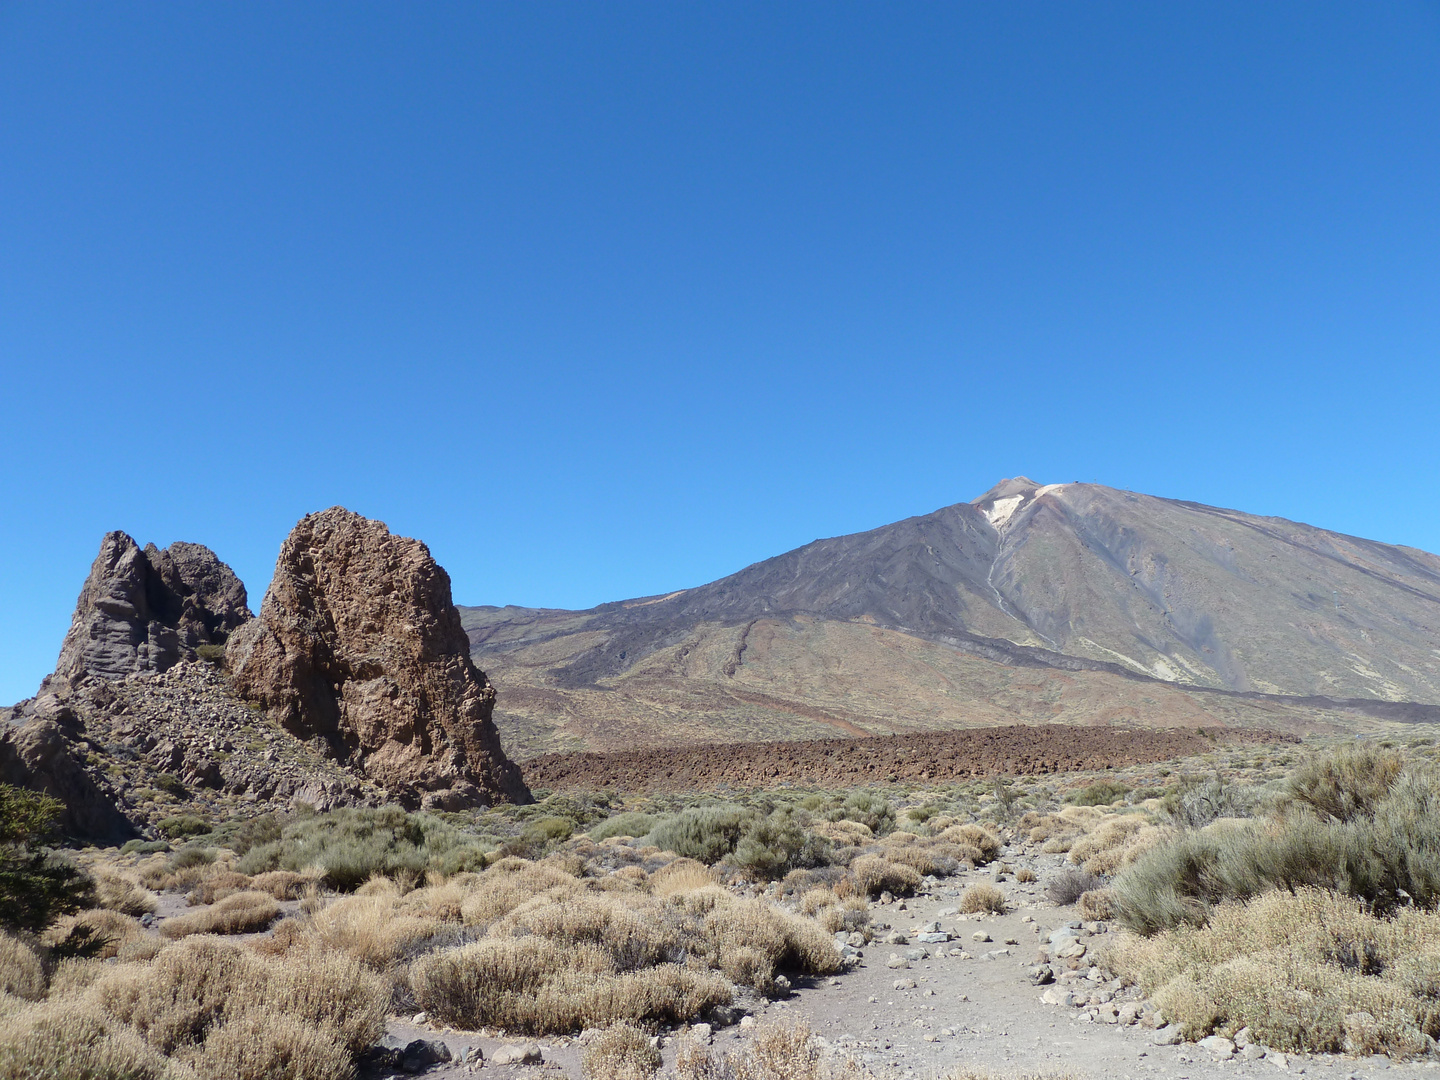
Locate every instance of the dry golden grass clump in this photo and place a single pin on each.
(1096, 904)
(238, 913)
(622, 1052)
(1113, 841)
(183, 870)
(283, 884)
(272, 1044)
(112, 930)
(1306, 971)
(55, 1040)
(832, 911)
(875, 874)
(536, 986)
(1025, 875)
(777, 1051)
(558, 952)
(982, 897)
(21, 972)
(116, 892)
(201, 1009)
(218, 886)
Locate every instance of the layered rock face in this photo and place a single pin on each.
(360, 646)
(144, 611)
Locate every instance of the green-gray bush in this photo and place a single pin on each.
(1100, 793)
(183, 825)
(1385, 857)
(1200, 804)
(1346, 784)
(870, 809)
(356, 844)
(704, 833)
(631, 823)
(778, 843)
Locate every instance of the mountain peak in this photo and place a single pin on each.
(1000, 503)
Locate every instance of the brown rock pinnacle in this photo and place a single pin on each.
(358, 644)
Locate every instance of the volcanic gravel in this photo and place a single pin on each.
(934, 757)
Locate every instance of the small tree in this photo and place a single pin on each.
(37, 886)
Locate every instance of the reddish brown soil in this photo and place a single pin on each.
(933, 757)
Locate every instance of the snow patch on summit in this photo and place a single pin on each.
(1000, 511)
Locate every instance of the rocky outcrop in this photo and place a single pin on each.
(147, 610)
(359, 647)
(38, 752)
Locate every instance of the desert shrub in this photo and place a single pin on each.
(704, 833)
(191, 856)
(191, 991)
(329, 991)
(1376, 839)
(354, 844)
(242, 835)
(751, 942)
(622, 1052)
(263, 1044)
(21, 972)
(984, 840)
(171, 785)
(1100, 793)
(107, 931)
(869, 809)
(239, 913)
(1345, 784)
(179, 995)
(55, 1040)
(119, 893)
(779, 1050)
(282, 884)
(774, 845)
(1305, 971)
(218, 886)
(183, 825)
(534, 985)
(143, 847)
(627, 824)
(372, 930)
(875, 874)
(1198, 805)
(680, 876)
(539, 836)
(1095, 904)
(1025, 875)
(982, 897)
(1068, 886)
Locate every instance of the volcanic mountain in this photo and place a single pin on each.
(1060, 602)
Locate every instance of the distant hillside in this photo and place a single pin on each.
(1070, 602)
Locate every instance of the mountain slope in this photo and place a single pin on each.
(1072, 602)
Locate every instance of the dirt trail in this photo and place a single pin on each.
(981, 1013)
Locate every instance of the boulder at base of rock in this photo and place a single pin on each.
(528, 1054)
(358, 645)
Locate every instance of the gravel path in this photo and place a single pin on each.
(964, 1011)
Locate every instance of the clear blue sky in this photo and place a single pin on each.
(603, 300)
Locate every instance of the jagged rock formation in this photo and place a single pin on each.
(147, 610)
(359, 647)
